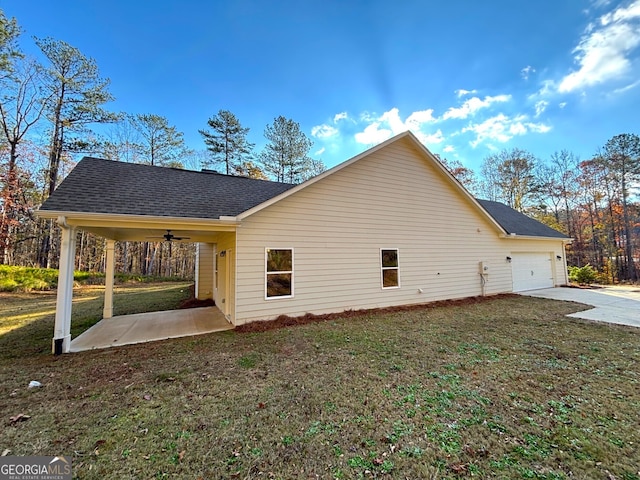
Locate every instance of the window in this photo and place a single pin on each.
(278, 272)
(390, 269)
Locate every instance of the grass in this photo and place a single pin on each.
(507, 388)
(29, 279)
(27, 319)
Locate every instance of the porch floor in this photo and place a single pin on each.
(149, 327)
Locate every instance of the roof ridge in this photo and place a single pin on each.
(186, 170)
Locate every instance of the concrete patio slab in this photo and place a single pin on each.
(613, 304)
(151, 326)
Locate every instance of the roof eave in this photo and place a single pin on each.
(92, 218)
(513, 236)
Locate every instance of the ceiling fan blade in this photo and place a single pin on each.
(167, 237)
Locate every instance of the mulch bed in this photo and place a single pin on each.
(287, 321)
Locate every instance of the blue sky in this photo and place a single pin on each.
(469, 78)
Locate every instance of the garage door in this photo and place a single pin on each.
(531, 271)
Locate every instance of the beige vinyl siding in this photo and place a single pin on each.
(392, 198)
(225, 289)
(204, 270)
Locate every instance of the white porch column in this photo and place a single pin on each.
(109, 272)
(197, 274)
(62, 330)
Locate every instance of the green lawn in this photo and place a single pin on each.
(506, 388)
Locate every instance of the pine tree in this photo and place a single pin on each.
(77, 95)
(285, 157)
(227, 141)
(161, 143)
(9, 51)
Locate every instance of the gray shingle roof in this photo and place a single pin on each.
(104, 186)
(515, 222)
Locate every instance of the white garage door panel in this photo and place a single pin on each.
(531, 271)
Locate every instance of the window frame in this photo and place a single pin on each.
(383, 268)
(279, 272)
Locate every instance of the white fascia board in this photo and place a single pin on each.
(104, 219)
(532, 237)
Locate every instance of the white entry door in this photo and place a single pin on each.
(531, 271)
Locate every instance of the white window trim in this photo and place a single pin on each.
(382, 269)
(293, 256)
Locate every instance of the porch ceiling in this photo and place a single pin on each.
(121, 234)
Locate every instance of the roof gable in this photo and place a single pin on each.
(422, 151)
(105, 186)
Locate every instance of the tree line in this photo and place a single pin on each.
(48, 117)
(594, 201)
(49, 113)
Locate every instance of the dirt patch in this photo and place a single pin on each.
(287, 321)
(193, 302)
(196, 303)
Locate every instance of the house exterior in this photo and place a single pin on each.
(388, 227)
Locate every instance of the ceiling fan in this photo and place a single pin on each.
(170, 236)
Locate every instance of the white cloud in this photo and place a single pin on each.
(472, 105)
(390, 123)
(340, 116)
(367, 117)
(462, 92)
(373, 134)
(562, 104)
(430, 139)
(604, 49)
(449, 149)
(600, 3)
(321, 151)
(324, 131)
(626, 88)
(502, 128)
(540, 107)
(392, 118)
(417, 118)
(526, 71)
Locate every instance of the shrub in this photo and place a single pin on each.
(583, 275)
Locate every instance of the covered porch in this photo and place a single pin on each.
(128, 329)
(152, 326)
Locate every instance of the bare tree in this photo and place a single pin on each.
(21, 107)
(509, 176)
(622, 156)
(464, 175)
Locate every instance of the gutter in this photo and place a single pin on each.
(513, 236)
(73, 218)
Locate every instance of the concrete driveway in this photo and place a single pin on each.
(613, 304)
